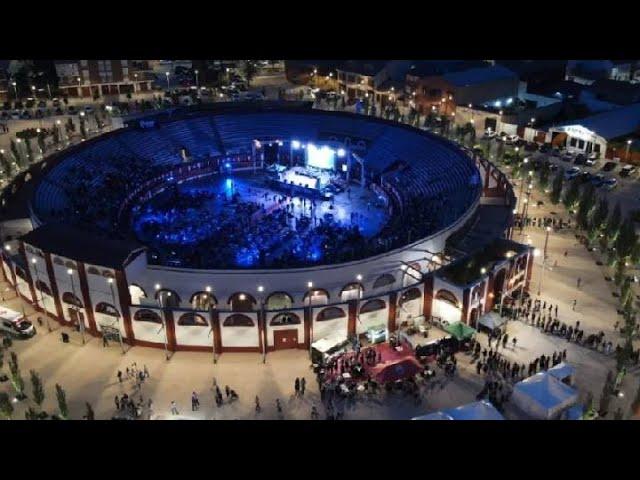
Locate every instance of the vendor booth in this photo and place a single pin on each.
(492, 322)
(325, 348)
(543, 397)
(482, 410)
(563, 372)
(397, 370)
(460, 331)
(377, 333)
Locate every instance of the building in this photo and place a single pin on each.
(588, 71)
(519, 115)
(381, 80)
(615, 91)
(97, 78)
(536, 73)
(607, 133)
(462, 83)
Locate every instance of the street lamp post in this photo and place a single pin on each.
(79, 87)
(263, 319)
(164, 320)
(197, 82)
(544, 259)
(213, 332)
(113, 299)
(34, 261)
(167, 74)
(309, 287)
(628, 150)
(15, 89)
(80, 320)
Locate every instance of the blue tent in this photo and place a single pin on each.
(543, 396)
(481, 410)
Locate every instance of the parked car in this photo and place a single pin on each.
(590, 161)
(490, 134)
(610, 183)
(88, 109)
(597, 180)
(572, 173)
(567, 157)
(609, 167)
(627, 170)
(15, 115)
(25, 115)
(511, 139)
(71, 110)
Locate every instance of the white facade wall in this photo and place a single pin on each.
(240, 336)
(271, 329)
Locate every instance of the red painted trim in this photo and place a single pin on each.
(86, 298)
(307, 327)
(427, 297)
(465, 305)
(27, 272)
(352, 306)
(393, 306)
(217, 333)
(171, 329)
(53, 285)
(124, 299)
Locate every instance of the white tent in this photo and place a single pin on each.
(563, 372)
(481, 410)
(492, 320)
(543, 396)
(434, 416)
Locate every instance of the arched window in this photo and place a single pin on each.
(136, 293)
(146, 315)
(43, 287)
(71, 265)
(93, 271)
(168, 298)
(316, 296)
(330, 313)
(238, 320)
(241, 302)
(285, 318)
(107, 274)
(279, 301)
(58, 261)
(351, 291)
(21, 273)
(373, 306)
(384, 280)
(107, 309)
(411, 294)
(203, 300)
(193, 319)
(71, 299)
(447, 296)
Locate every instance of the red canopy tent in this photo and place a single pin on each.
(398, 370)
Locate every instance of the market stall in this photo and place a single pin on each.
(543, 396)
(482, 410)
(491, 322)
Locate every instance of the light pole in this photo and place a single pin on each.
(213, 332)
(164, 320)
(15, 89)
(628, 150)
(15, 286)
(49, 90)
(544, 259)
(113, 300)
(263, 319)
(167, 74)
(525, 205)
(135, 83)
(79, 87)
(33, 91)
(34, 261)
(197, 82)
(78, 313)
(309, 287)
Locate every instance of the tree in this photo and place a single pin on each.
(626, 240)
(625, 290)
(635, 405)
(556, 188)
(615, 220)
(37, 388)
(16, 378)
(500, 151)
(62, 401)
(572, 194)
(56, 135)
(600, 213)
(27, 143)
(605, 397)
(41, 143)
(543, 176)
(249, 71)
(83, 130)
(89, 415)
(634, 258)
(31, 414)
(6, 408)
(16, 154)
(585, 206)
(619, 275)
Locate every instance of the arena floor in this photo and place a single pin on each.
(211, 199)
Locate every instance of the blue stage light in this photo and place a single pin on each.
(295, 144)
(341, 152)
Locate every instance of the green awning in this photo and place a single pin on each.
(460, 331)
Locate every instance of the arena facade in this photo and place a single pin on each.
(83, 265)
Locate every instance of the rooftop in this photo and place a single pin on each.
(68, 241)
(469, 269)
(364, 67)
(477, 76)
(427, 68)
(611, 124)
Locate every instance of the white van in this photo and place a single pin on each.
(15, 323)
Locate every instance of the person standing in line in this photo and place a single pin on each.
(579, 282)
(117, 401)
(278, 406)
(120, 376)
(303, 386)
(514, 341)
(105, 342)
(575, 302)
(297, 386)
(258, 408)
(174, 408)
(227, 391)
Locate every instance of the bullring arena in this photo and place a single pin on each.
(256, 227)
